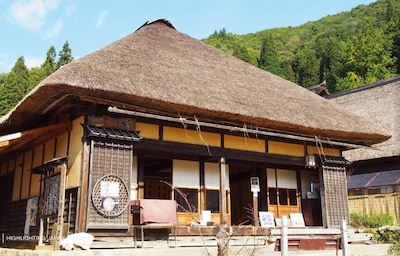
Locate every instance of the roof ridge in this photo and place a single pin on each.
(162, 20)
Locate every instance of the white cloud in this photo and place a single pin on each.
(32, 62)
(100, 18)
(54, 31)
(70, 9)
(31, 14)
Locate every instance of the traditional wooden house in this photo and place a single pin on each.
(158, 112)
(375, 170)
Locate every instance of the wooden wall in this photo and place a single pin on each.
(27, 184)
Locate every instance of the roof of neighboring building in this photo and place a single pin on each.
(319, 89)
(379, 83)
(380, 103)
(375, 179)
(160, 69)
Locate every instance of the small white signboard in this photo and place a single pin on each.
(255, 184)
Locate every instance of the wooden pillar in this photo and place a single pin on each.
(263, 190)
(140, 177)
(84, 189)
(60, 215)
(203, 198)
(222, 190)
(255, 209)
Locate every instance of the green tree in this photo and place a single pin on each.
(16, 86)
(269, 59)
(369, 58)
(65, 55)
(50, 64)
(242, 53)
(35, 76)
(306, 66)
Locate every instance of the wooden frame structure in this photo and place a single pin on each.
(129, 116)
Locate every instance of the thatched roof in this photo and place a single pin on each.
(380, 103)
(160, 68)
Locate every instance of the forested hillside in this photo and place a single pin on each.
(345, 50)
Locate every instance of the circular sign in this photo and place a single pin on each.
(110, 196)
(108, 204)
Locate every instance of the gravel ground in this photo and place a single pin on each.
(161, 249)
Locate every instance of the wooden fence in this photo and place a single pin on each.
(376, 204)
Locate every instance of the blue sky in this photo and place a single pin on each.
(30, 27)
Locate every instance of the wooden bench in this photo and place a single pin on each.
(153, 214)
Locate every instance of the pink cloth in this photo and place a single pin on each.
(156, 210)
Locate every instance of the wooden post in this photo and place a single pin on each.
(61, 206)
(255, 188)
(84, 189)
(41, 231)
(284, 237)
(345, 247)
(222, 190)
(255, 209)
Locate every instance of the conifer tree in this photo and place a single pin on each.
(50, 65)
(16, 86)
(65, 56)
(269, 59)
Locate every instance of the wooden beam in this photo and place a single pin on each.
(195, 152)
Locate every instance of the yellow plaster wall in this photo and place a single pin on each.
(326, 151)
(17, 179)
(243, 143)
(26, 175)
(49, 150)
(27, 185)
(38, 156)
(62, 145)
(191, 137)
(148, 131)
(35, 185)
(37, 160)
(284, 148)
(75, 154)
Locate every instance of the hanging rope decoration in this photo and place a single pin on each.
(110, 196)
(198, 129)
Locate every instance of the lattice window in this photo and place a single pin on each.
(110, 169)
(335, 186)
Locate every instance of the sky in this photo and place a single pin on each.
(29, 27)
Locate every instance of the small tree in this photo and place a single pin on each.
(65, 55)
(50, 65)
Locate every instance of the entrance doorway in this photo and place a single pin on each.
(157, 176)
(241, 195)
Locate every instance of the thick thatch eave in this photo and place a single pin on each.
(159, 68)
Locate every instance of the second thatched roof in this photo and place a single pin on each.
(162, 69)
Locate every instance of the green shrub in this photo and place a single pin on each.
(371, 221)
(389, 235)
(394, 249)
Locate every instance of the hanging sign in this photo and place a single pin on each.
(255, 184)
(51, 196)
(109, 192)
